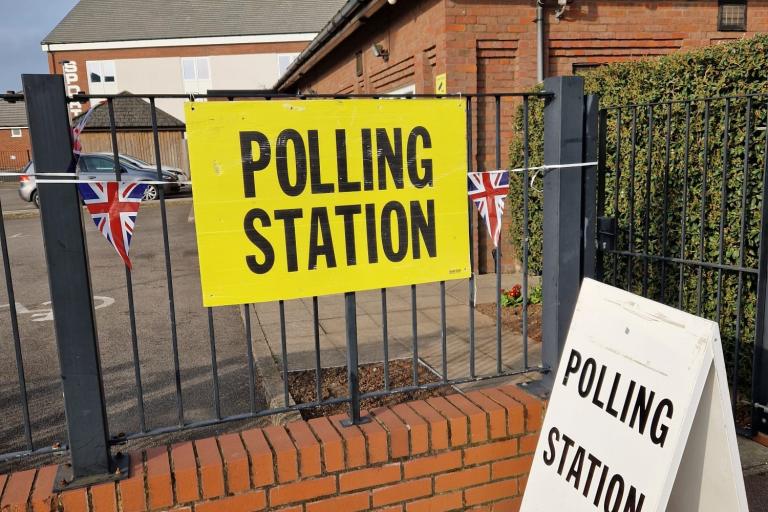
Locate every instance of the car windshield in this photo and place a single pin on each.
(30, 168)
(132, 160)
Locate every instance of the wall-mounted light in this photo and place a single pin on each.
(562, 7)
(380, 51)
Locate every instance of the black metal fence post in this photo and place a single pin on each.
(601, 243)
(350, 316)
(562, 244)
(70, 286)
(760, 354)
(589, 188)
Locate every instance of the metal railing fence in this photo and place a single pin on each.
(683, 199)
(29, 443)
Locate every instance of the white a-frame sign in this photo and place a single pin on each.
(639, 419)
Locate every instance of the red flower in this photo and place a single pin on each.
(515, 292)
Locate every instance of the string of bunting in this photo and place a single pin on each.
(488, 191)
(44, 177)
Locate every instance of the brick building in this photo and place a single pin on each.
(180, 46)
(14, 137)
(492, 45)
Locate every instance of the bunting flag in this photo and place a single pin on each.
(488, 191)
(77, 148)
(114, 207)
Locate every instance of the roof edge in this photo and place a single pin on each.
(48, 46)
(331, 35)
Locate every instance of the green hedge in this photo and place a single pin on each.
(661, 187)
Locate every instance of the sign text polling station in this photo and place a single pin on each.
(311, 197)
(639, 418)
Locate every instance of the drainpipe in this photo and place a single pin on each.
(539, 41)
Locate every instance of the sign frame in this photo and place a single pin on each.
(282, 187)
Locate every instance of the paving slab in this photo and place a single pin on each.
(300, 340)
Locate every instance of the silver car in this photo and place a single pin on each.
(136, 162)
(98, 166)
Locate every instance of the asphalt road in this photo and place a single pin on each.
(10, 200)
(153, 331)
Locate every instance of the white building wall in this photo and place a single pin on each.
(258, 71)
(164, 76)
(153, 76)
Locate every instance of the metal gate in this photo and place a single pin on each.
(682, 219)
(81, 345)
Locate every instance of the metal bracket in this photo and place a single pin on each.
(362, 420)
(763, 426)
(536, 388)
(120, 468)
(606, 233)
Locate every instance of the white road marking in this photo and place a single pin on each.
(45, 314)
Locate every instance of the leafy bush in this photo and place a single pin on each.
(680, 179)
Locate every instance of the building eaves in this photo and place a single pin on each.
(350, 17)
(117, 20)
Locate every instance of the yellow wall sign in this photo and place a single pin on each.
(441, 84)
(301, 198)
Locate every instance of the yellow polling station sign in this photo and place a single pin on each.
(298, 198)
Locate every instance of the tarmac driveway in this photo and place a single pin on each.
(153, 330)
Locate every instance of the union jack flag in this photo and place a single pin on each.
(488, 191)
(113, 207)
(77, 147)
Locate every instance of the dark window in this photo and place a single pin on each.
(732, 15)
(359, 63)
(99, 164)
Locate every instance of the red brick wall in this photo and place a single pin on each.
(490, 46)
(459, 452)
(602, 31)
(412, 32)
(13, 146)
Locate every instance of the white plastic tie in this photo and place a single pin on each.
(542, 169)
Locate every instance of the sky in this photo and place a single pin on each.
(23, 24)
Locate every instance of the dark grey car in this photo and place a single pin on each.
(101, 167)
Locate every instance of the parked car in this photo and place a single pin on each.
(94, 166)
(136, 162)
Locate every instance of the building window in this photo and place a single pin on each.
(102, 78)
(284, 61)
(15, 132)
(732, 15)
(196, 72)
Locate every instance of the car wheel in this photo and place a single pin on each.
(36, 199)
(150, 193)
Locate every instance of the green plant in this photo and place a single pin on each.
(514, 296)
(705, 170)
(534, 296)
